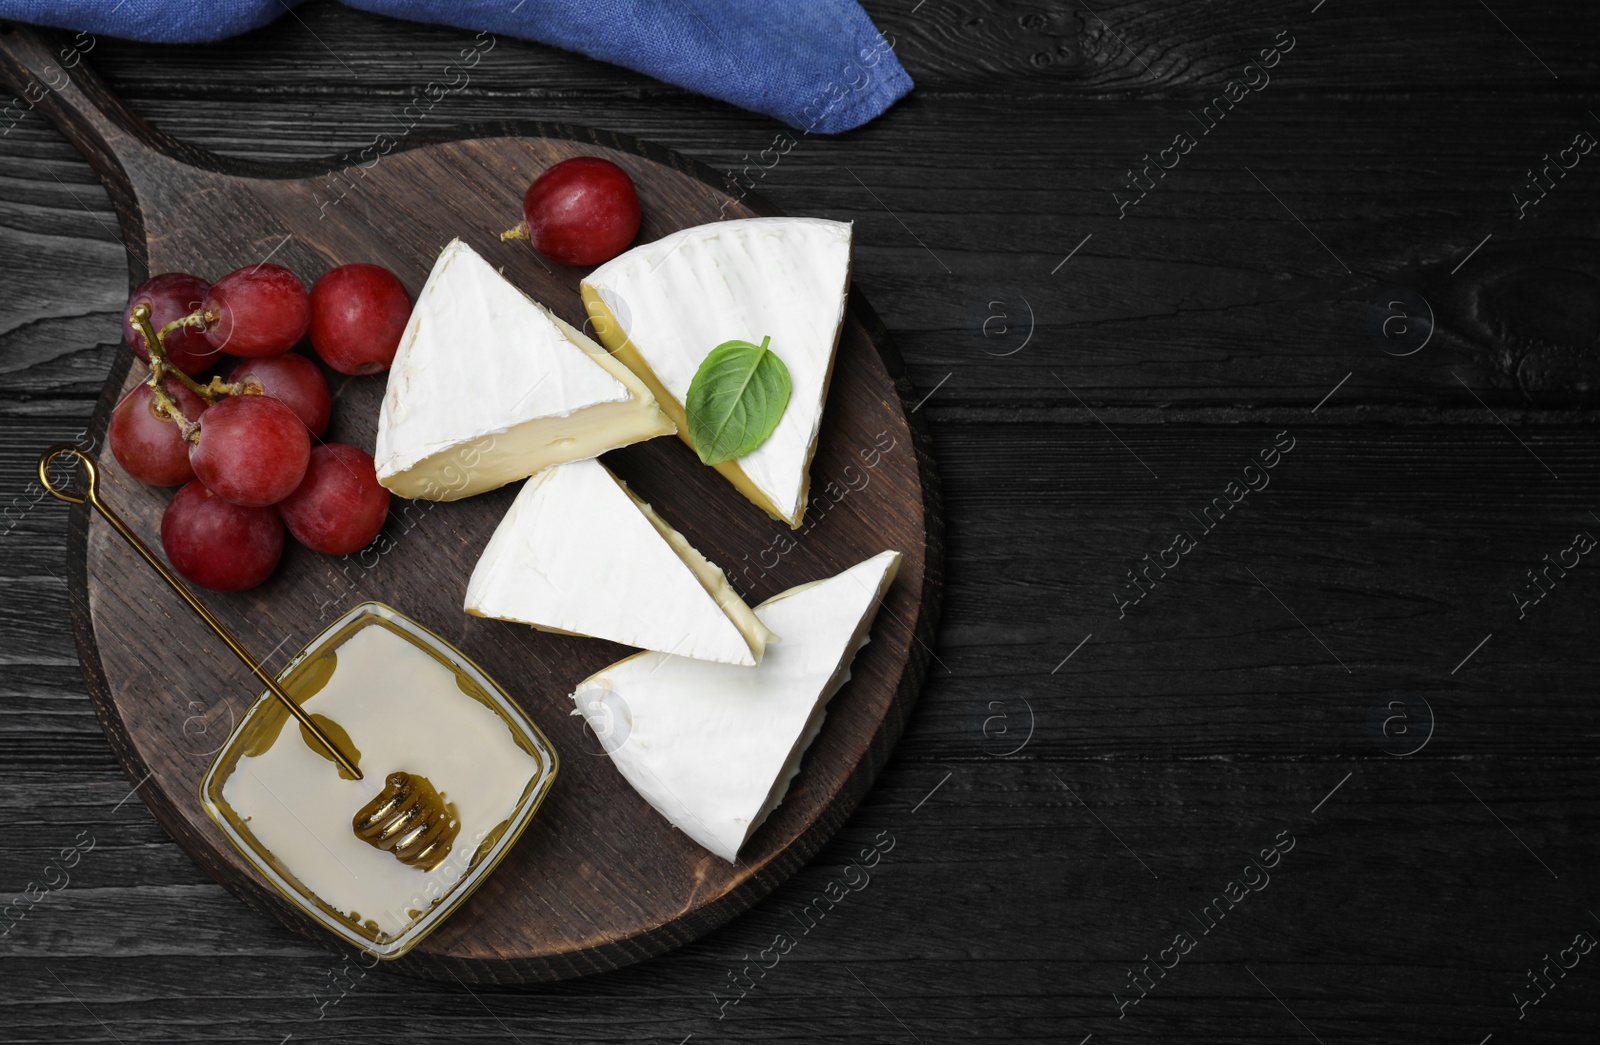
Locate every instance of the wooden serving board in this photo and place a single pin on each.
(599, 880)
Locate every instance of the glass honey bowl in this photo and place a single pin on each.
(404, 699)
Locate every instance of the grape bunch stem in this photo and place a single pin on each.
(161, 368)
(199, 319)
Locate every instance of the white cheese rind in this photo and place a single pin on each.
(577, 554)
(488, 387)
(681, 296)
(713, 748)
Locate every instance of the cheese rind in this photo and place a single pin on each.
(710, 576)
(714, 748)
(578, 553)
(488, 387)
(663, 306)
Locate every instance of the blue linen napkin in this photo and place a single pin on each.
(817, 65)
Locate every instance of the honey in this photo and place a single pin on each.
(407, 703)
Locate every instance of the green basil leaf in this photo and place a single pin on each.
(736, 400)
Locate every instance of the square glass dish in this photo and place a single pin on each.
(406, 700)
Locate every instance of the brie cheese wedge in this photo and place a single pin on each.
(714, 748)
(489, 387)
(663, 306)
(578, 553)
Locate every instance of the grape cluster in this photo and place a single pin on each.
(247, 451)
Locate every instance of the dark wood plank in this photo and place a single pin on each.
(1082, 907)
(1382, 565)
(1127, 48)
(1208, 295)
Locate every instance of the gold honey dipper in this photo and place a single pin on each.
(408, 817)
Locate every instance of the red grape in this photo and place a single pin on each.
(582, 211)
(171, 295)
(339, 507)
(217, 545)
(252, 450)
(358, 313)
(296, 382)
(147, 444)
(260, 311)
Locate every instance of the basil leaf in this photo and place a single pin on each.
(735, 400)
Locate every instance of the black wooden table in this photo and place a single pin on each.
(1259, 384)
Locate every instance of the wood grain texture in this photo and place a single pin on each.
(1013, 48)
(1195, 729)
(599, 880)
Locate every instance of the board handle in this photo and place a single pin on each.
(47, 71)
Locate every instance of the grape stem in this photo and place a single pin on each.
(199, 319)
(156, 344)
(160, 368)
(250, 386)
(520, 232)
